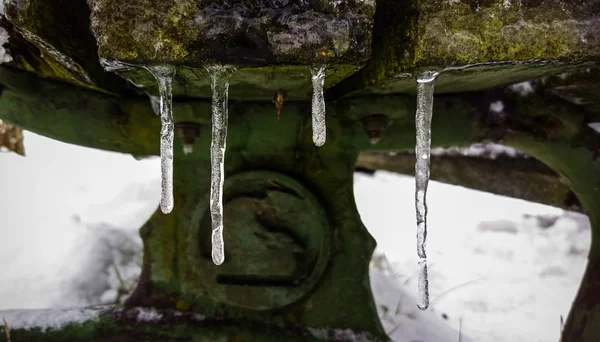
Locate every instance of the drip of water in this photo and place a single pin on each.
(319, 127)
(425, 89)
(220, 87)
(164, 76)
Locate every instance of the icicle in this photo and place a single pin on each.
(319, 127)
(425, 88)
(164, 77)
(220, 87)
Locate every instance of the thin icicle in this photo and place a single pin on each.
(425, 89)
(319, 127)
(220, 87)
(164, 77)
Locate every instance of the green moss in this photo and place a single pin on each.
(60, 29)
(458, 35)
(427, 34)
(257, 84)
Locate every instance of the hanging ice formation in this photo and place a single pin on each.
(164, 77)
(319, 127)
(425, 89)
(220, 87)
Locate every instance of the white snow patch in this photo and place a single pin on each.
(523, 88)
(400, 317)
(491, 151)
(5, 57)
(49, 319)
(53, 220)
(497, 107)
(339, 335)
(595, 126)
(499, 285)
(188, 149)
(148, 315)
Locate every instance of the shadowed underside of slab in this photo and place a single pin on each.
(508, 40)
(249, 83)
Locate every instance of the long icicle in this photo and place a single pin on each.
(220, 87)
(425, 89)
(319, 127)
(164, 76)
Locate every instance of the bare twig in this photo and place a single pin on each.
(393, 330)
(121, 281)
(562, 325)
(460, 329)
(6, 330)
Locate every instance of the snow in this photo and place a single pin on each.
(148, 315)
(49, 319)
(497, 107)
(5, 57)
(491, 265)
(490, 151)
(59, 195)
(595, 126)
(523, 88)
(74, 212)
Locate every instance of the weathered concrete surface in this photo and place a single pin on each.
(276, 39)
(533, 38)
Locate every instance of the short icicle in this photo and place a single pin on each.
(425, 89)
(319, 127)
(164, 77)
(220, 87)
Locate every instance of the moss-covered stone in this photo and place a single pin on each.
(60, 29)
(28, 52)
(271, 42)
(432, 34)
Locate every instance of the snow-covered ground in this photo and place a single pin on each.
(495, 273)
(68, 237)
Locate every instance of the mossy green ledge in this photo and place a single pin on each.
(52, 38)
(271, 42)
(480, 43)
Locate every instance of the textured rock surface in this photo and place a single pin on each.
(57, 34)
(282, 35)
(526, 34)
